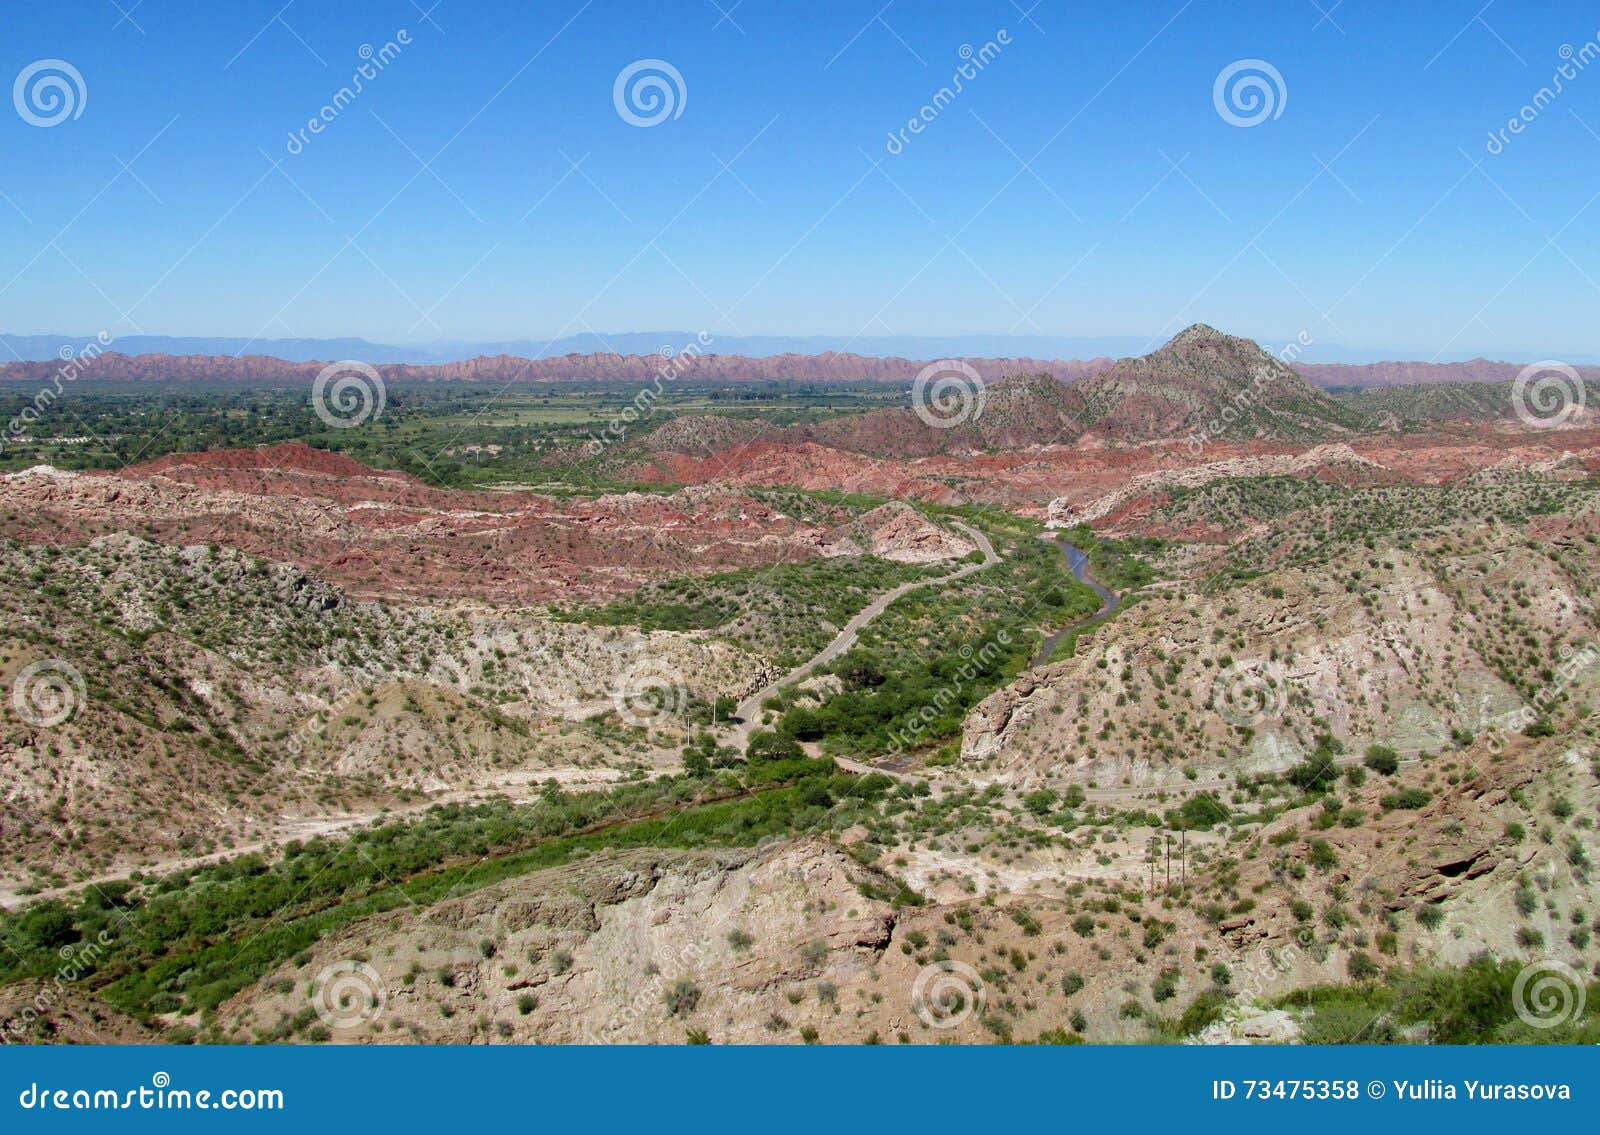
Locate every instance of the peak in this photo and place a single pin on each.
(1197, 333)
(1208, 339)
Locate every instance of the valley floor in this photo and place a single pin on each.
(1277, 739)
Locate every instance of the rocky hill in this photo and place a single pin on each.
(1564, 404)
(699, 434)
(1350, 375)
(898, 532)
(1015, 412)
(799, 941)
(1209, 385)
(1201, 388)
(380, 533)
(1390, 615)
(166, 701)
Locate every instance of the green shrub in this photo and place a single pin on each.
(765, 745)
(1204, 1010)
(1315, 773)
(1407, 799)
(1382, 760)
(681, 997)
(1040, 802)
(1360, 967)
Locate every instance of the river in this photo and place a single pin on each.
(1078, 561)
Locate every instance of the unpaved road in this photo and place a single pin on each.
(748, 710)
(518, 788)
(1121, 792)
(310, 827)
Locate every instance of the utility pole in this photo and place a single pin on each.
(1169, 860)
(1183, 859)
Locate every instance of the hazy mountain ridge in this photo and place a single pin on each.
(642, 369)
(296, 361)
(1343, 363)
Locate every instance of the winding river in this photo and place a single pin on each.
(1078, 561)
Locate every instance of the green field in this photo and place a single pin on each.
(458, 434)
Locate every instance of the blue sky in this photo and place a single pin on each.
(1083, 182)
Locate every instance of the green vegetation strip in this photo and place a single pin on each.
(205, 934)
(446, 433)
(1479, 1003)
(786, 611)
(916, 671)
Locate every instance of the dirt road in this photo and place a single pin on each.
(519, 788)
(749, 709)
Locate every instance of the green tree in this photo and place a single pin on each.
(1382, 760)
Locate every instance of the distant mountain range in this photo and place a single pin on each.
(32, 348)
(649, 369)
(38, 348)
(642, 369)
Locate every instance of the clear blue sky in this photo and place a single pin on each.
(1400, 243)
